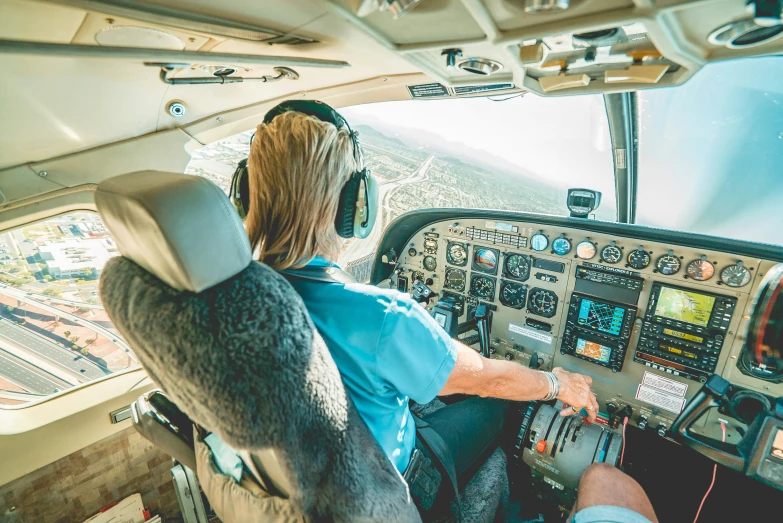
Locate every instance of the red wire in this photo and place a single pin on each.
(714, 472)
(622, 453)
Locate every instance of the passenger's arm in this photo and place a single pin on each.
(479, 376)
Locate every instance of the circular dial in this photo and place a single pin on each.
(735, 276)
(700, 270)
(542, 302)
(457, 255)
(539, 242)
(611, 254)
(513, 295)
(411, 252)
(482, 287)
(668, 264)
(485, 260)
(585, 250)
(518, 266)
(561, 246)
(430, 263)
(455, 279)
(639, 259)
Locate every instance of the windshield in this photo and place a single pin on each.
(518, 154)
(711, 151)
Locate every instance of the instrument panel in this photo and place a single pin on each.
(648, 321)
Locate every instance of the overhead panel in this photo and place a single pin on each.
(430, 21)
(511, 14)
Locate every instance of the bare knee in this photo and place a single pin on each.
(602, 484)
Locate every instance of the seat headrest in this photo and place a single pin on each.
(181, 228)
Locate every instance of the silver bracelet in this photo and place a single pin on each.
(554, 386)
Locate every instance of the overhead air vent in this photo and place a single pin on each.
(139, 37)
(480, 66)
(744, 33)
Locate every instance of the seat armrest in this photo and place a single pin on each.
(162, 423)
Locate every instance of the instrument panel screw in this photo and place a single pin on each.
(43, 174)
(219, 119)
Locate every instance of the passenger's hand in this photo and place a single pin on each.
(575, 391)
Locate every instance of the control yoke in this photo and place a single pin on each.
(760, 452)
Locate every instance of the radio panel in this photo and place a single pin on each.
(684, 330)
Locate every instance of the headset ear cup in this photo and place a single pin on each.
(346, 208)
(364, 221)
(240, 189)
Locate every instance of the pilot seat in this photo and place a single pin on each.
(235, 354)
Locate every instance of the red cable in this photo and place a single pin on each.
(714, 472)
(622, 453)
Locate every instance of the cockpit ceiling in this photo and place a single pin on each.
(58, 104)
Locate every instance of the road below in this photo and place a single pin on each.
(26, 297)
(360, 248)
(65, 358)
(27, 376)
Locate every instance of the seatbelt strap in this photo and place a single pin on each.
(439, 449)
(321, 274)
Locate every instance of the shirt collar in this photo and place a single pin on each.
(320, 261)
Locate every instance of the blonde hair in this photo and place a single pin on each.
(297, 168)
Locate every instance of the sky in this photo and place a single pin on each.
(710, 150)
(563, 140)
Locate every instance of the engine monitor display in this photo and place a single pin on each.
(685, 306)
(603, 317)
(594, 351)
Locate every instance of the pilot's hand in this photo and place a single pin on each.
(575, 391)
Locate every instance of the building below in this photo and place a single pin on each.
(77, 257)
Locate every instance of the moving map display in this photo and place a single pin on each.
(687, 306)
(594, 351)
(603, 317)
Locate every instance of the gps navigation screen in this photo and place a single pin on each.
(602, 317)
(687, 306)
(594, 351)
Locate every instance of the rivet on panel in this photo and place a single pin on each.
(43, 174)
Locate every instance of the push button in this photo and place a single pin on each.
(541, 446)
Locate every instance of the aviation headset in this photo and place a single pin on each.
(354, 218)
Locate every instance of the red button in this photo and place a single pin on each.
(541, 446)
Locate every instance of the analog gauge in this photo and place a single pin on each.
(639, 259)
(485, 260)
(459, 301)
(561, 246)
(430, 263)
(456, 254)
(542, 302)
(700, 270)
(411, 252)
(735, 275)
(539, 242)
(585, 250)
(518, 266)
(430, 246)
(611, 254)
(668, 264)
(482, 287)
(513, 294)
(455, 279)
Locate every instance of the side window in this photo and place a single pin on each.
(54, 333)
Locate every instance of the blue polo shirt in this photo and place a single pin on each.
(388, 349)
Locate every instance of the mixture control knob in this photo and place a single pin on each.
(662, 429)
(642, 422)
(509, 356)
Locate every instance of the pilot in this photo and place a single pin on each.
(388, 349)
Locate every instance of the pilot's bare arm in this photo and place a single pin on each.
(479, 376)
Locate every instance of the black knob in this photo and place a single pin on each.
(509, 356)
(662, 429)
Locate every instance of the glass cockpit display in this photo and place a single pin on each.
(603, 317)
(594, 351)
(686, 306)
